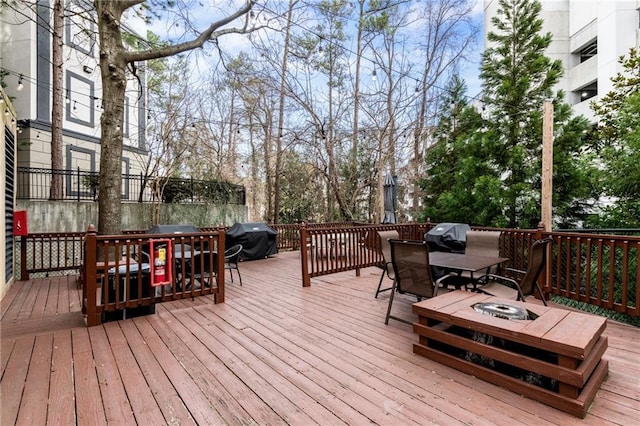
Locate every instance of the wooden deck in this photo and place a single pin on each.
(273, 353)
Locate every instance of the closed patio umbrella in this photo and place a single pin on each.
(389, 194)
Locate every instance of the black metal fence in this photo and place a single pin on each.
(81, 185)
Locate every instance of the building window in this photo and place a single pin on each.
(83, 162)
(589, 51)
(80, 26)
(588, 91)
(81, 106)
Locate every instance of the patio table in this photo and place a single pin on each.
(460, 262)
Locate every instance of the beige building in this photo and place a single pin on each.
(26, 61)
(588, 37)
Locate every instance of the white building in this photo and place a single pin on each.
(588, 37)
(26, 59)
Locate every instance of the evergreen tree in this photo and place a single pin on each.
(486, 170)
(458, 177)
(619, 137)
(517, 78)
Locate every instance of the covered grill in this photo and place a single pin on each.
(258, 240)
(449, 237)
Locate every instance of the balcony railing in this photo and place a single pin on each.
(82, 185)
(598, 269)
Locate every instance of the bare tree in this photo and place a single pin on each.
(57, 178)
(283, 79)
(115, 61)
(448, 34)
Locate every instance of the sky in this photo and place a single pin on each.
(471, 71)
(174, 26)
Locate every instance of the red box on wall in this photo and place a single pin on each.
(20, 223)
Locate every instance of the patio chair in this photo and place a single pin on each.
(410, 260)
(508, 288)
(385, 248)
(231, 259)
(481, 243)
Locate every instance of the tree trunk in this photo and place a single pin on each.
(278, 165)
(114, 83)
(56, 191)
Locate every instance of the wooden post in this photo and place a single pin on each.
(304, 256)
(24, 271)
(546, 198)
(89, 286)
(219, 297)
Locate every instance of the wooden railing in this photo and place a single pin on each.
(111, 282)
(601, 270)
(597, 269)
(51, 253)
(330, 250)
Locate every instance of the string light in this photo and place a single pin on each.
(67, 99)
(373, 75)
(20, 84)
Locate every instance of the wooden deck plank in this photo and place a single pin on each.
(272, 393)
(9, 297)
(89, 406)
(51, 307)
(29, 300)
(41, 299)
(23, 288)
(13, 379)
(36, 388)
(273, 353)
(5, 353)
(163, 391)
(376, 359)
(335, 379)
(62, 407)
(193, 397)
(303, 375)
(117, 406)
(143, 405)
(184, 346)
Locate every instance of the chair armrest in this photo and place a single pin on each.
(512, 283)
(518, 271)
(443, 278)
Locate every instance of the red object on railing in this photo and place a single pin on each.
(20, 223)
(160, 261)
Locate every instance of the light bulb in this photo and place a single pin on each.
(20, 84)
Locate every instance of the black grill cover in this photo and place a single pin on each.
(449, 237)
(258, 240)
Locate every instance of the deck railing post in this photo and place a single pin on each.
(304, 254)
(219, 297)
(24, 271)
(545, 277)
(89, 286)
(78, 185)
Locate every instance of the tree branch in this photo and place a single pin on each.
(192, 44)
(126, 4)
